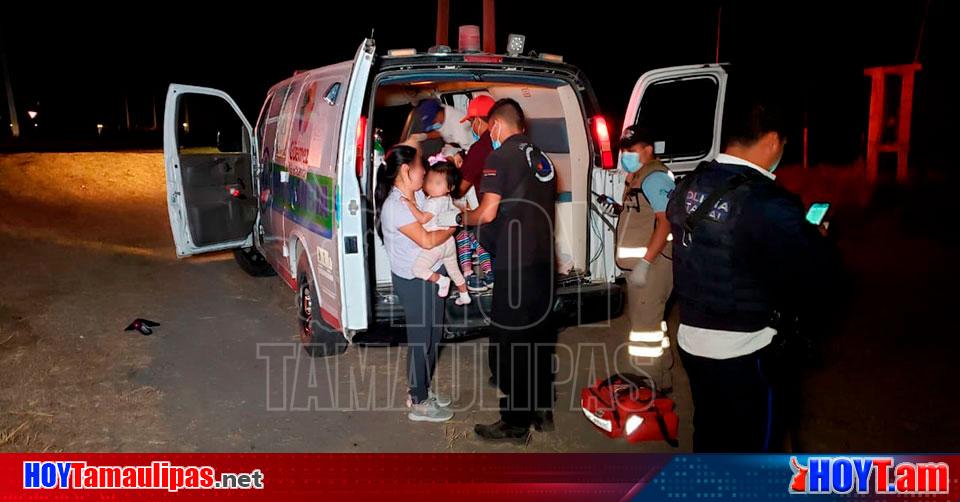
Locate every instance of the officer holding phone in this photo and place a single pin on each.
(745, 258)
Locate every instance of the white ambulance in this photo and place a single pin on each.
(292, 194)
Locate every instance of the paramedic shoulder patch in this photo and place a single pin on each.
(539, 162)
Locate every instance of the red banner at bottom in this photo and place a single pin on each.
(555, 477)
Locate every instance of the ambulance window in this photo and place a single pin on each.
(262, 120)
(550, 134)
(287, 114)
(267, 144)
(330, 96)
(208, 124)
(681, 114)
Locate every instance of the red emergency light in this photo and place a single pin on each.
(602, 134)
(361, 143)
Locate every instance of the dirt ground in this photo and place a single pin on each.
(85, 247)
(66, 221)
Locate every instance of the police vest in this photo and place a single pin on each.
(638, 219)
(714, 282)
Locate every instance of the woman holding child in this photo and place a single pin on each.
(418, 250)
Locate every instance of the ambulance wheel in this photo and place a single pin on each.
(253, 263)
(317, 337)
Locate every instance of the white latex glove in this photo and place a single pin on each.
(638, 277)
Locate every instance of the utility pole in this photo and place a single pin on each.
(126, 110)
(719, 19)
(923, 25)
(489, 27)
(11, 105)
(153, 98)
(443, 22)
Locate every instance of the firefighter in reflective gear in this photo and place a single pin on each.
(644, 250)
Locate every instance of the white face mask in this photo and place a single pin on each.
(780, 158)
(776, 164)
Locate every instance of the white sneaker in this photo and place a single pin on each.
(429, 411)
(443, 283)
(442, 400)
(463, 299)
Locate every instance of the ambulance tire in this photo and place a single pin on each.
(316, 336)
(253, 263)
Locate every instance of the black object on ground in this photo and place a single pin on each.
(144, 326)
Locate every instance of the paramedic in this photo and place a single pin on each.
(515, 219)
(428, 117)
(643, 247)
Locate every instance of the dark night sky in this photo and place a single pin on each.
(78, 64)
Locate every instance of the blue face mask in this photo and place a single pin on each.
(495, 142)
(630, 161)
(776, 164)
(434, 127)
(476, 137)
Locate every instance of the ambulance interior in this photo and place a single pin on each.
(214, 162)
(555, 123)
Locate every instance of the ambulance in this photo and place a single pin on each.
(291, 194)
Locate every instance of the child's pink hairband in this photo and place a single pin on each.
(436, 159)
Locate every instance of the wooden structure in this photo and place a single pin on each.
(889, 127)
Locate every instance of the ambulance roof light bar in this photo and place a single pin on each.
(555, 58)
(399, 53)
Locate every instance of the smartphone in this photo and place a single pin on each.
(817, 212)
(605, 199)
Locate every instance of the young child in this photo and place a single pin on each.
(442, 181)
(467, 247)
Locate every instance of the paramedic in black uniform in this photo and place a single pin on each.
(515, 224)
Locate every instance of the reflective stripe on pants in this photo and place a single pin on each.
(645, 308)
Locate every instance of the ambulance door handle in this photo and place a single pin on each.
(353, 207)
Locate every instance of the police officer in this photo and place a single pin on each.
(744, 257)
(515, 223)
(644, 249)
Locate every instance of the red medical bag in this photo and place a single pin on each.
(628, 405)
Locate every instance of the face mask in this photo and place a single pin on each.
(780, 158)
(473, 130)
(434, 127)
(775, 165)
(630, 161)
(496, 142)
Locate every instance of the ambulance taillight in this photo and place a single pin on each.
(361, 144)
(602, 134)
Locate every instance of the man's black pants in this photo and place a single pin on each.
(735, 402)
(525, 371)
